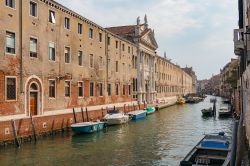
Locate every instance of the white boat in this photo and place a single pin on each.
(224, 111)
(115, 117)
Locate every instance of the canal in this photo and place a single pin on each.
(163, 138)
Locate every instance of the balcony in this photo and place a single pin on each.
(238, 41)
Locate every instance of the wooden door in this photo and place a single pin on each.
(33, 103)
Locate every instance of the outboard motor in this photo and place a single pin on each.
(221, 133)
(185, 163)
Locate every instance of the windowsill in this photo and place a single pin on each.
(52, 98)
(52, 61)
(10, 54)
(33, 58)
(34, 17)
(80, 97)
(11, 100)
(67, 63)
(13, 8)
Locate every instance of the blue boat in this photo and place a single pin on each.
(87, 127)
(138, 114)
(150, 110)
(211, 150)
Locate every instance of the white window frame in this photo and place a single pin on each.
(69, 54)
(93, 89)
(81, 28)
(48, 51)
(78, 58)
(6, 77)
(36, 47)
(93, 61)
(92, 36)
(99, 89)
(82, 89)
(65, 23)
(8, 53)
(53, 23)
(49, 89)
(13, 8)
(36, 9)
(69, 88)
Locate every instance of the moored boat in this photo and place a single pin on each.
(116, 117)
(224, 111)
(207, 112)
(150, 110)
(180, 100)
(211, 150)
(138, 114)
(87, 127)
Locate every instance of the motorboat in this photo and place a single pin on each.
(138, 114)
(87, 127)
(212, 150)
(207, 112)
(150, 110)
(115, 117)
(224, 111)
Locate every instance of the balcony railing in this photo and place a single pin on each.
(238, 41)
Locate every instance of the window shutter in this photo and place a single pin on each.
(33, 45)
(10, 41)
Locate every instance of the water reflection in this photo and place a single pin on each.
(163, 138)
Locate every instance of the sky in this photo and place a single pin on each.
(194, 33)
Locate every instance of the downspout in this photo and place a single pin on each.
(107, 63)
(21, 44)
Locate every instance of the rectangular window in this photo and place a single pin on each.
(52, 88)
(80, 89)
(52, 51)
(123, 68)
(129, 90)
(100, 62)
(33, 47)
(91, 60)
(124, 90)
(33, 9)
(10, 3)
(116, 66)
(80, 58)
(116, 44)
(91, 89)
(10, 42)
(67, 54)
(10, 88)
(100, 89)
(79, 28)
(66, 23)
(123, 47)
(128, 49)
(67, 88)
(108, 41)
(90, 33)
(117, 89)
(109, 89)
(52, 17)
(100, 37)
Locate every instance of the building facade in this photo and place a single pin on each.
(53, 59)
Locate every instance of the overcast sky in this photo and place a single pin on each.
(197, 33)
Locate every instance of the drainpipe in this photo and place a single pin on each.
(107, 64)
(21, 44)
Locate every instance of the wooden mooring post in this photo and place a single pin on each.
(13, 123)
(87, 114)
(102, 113)
(33, 126)
(82, 114)
(74, 113)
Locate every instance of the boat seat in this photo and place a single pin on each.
(218, 149)
(210, 157)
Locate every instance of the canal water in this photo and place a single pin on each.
(163, 138)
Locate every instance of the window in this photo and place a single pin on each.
(52, 88)
(128, 49)
(66, 23)
(80, 58)
(33, 9)
(123, 89)
(33, 47)
(52, 17)
(67, 88)
(79, 28)
(116, 44)
(100, 37)
(100, 62)
(11, 88)
(108, 41)
(80, 89)
(10, 42)
(129, 90)
(117, 89)
(10, 3)
(91, 89)
(109, 89)
(67, 54)
(116, 66)
(91, 60)
(100, 89)
(123, 47)
(90, 33)
(52, 52)
(123, 67)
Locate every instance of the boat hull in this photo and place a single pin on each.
(87, 127)
(150, 110)
(139, 114)
(117, 121)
